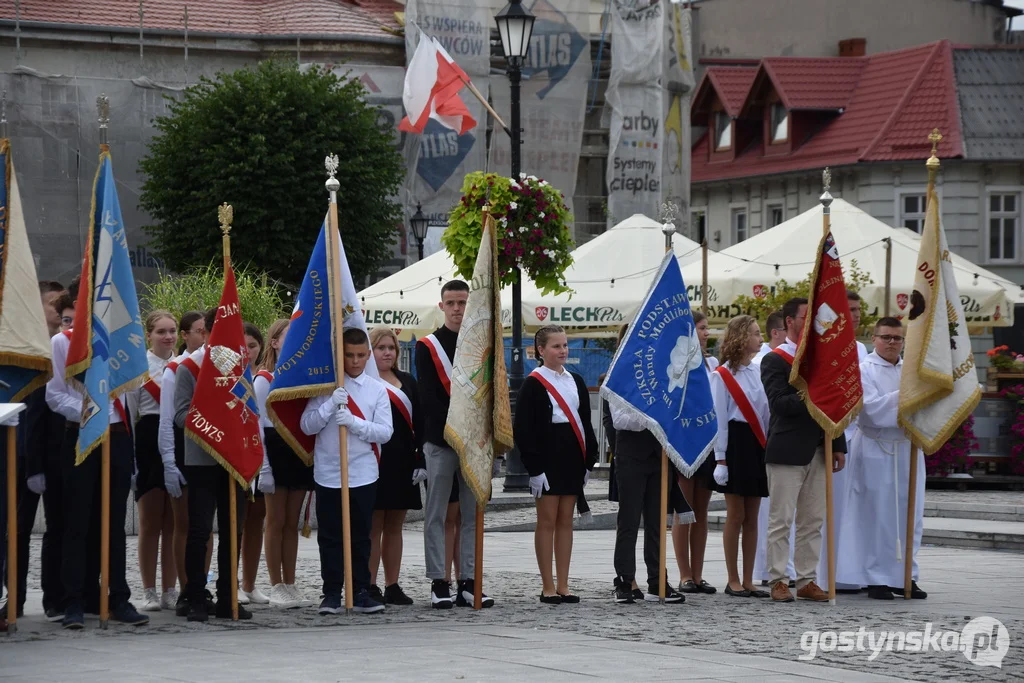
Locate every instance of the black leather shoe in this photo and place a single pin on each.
(742, 593)
(915, 592)
(879, 593)
(555, 599)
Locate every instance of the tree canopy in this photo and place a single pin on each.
(256, 138)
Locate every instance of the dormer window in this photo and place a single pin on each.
(778, 123)
(723, 131)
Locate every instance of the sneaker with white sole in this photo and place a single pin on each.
(440, 594)
(466, 595)
(243, 598)
(255, 596)
(298, 595)
(150, 600)
(282, 598)
(169, 599)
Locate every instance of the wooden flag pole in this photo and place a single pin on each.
(105, 528)
(12, 530)
(226, 214)
(830, 538)
(669, 229)
(908, 559)
(337, 316)
(704, 276)
(483, 100)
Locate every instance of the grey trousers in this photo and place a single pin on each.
(442, 468)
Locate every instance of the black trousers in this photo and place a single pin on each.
(639, 489)
(81, 513)
(329, 536)
(208, 495)
(28, 503)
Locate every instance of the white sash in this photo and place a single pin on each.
(399, 395)
(441, 360)
(565, 407)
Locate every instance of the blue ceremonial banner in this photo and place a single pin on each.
(24, 340)
(107, 356)
(659, 374)
(305, 366)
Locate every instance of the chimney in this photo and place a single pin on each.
(852, 47)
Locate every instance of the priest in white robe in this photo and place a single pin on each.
(873, 534)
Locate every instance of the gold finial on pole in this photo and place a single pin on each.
(226, 216)
(935, 137)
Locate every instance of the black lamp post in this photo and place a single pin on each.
(419, 224)
(515, 26)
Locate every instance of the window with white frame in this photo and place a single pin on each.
(1003, 222)
(739, 225)
(779, 122)
(912, 208)
(775, 215)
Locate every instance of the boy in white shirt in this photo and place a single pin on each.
(362, 406)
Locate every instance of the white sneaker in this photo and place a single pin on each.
(255, 596)
(151, 601)
(281, 597)
(297, 594)
(169, 600)
(243, 597)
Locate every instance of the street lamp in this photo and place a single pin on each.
(515, 26)
(419, 224)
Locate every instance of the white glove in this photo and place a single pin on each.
(173, 480)
(266, 483)
(539, 484)
(344, 418)
(340, 397)
(37, 484)
(586, 477)
(418, 475)
(721, 475)
(11, 421)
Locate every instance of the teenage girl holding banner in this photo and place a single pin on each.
(555, 437)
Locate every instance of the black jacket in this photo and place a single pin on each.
(434, 400)
(533, 422)
(42, 431)
(793, 435)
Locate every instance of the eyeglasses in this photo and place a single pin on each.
(65, 320)
(890, 338)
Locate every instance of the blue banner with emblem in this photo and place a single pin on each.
(659, 376)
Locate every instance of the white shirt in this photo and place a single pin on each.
(165, 432)
(881, 382)
(765, 349)
(61, 398)
(565, 384)
(749, 379)
(863, 353)
(261, 387)
(318, 418)
(147, 405)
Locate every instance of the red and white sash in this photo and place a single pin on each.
(743, 403)
(400, 401)
(353, 408)
(573, 415)
(153, 389)
(786, 355)
(266, 374)
(441, 361)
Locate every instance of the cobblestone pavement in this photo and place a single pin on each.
(964, 584)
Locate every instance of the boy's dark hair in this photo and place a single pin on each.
(852, 295)
(775, 321)
(792, 307)
(887, 322)
(73, 286)
(355, 337)
(211, 317)
(47, 286)
(454, 286)
(62, 302)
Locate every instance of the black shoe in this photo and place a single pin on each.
(624, 594)
(465, 595)
(375, 593)
(394, 595)
(366, 603)
(741, 593)
(638, 595)
(127, 614)
(880, 593)
(671, 595)
(706, 587)
(197, 611)
(569, 598)
(689, 586)
(53, 614)
(915, 592)
(224, 611)
(555, 599)
(74, 619)
(211, 606)
(440, 594)
(181, 607)
(331, 604)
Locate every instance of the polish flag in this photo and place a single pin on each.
(432, 84)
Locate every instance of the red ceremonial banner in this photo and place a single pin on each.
(223, 418)
(826, 368)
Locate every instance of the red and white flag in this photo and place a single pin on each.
(432, 84)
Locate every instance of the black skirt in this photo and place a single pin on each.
(288, 469)
(148, 464)
(395, 490)
(705, 474)
(565, 465)
(745, 460)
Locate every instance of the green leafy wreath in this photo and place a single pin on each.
(533, 229)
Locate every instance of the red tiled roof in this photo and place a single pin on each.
(246, 17)
(892, 101)
(730, 83)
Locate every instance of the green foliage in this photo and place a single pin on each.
(200, 288)
(854, 278)
(256, 138)
(533, 229)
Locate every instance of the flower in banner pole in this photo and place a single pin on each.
(531, 213)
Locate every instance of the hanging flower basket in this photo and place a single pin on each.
(533, 229)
